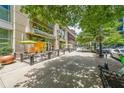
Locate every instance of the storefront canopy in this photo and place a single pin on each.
(27, 42)
(40, 35)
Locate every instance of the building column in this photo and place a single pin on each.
(66, 39)
(56, 42)
(28, 26)
(13, 41)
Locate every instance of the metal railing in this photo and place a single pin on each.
(33, 58)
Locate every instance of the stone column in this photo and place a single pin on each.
(14, 33)
(27, 26)
(22, 25)
(56, 42)
(66, 38)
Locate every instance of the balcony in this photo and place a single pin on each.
(39, 33)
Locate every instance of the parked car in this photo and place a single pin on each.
(117, 53)
(79, 49)
(104, 50)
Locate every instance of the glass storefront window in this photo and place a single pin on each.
(5, 38)
(5, 13)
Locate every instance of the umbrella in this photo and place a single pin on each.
(27, 42)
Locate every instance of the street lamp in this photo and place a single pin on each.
(100, 42)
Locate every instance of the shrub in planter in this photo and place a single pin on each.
(5, 51)
(5, 55)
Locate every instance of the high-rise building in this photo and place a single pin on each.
(6, 26)
(121, 28)
(16, 26)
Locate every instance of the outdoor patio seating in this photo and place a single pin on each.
(33, 56)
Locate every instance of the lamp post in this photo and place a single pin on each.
(100, 43)
(123, 26)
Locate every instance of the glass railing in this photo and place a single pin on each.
(5, 14)
(37, 31)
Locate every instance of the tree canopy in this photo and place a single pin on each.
(64, 15)
(96, 21)
(101, 21)
(114, 38)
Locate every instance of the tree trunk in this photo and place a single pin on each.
(100, 49)
(94, 46)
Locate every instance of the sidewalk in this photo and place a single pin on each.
(13, 73)
(76, 69)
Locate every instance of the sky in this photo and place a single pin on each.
(77, 29)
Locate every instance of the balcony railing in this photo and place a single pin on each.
(37, 31)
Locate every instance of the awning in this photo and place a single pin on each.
(39, 35)
(27, 42)
(62, 40)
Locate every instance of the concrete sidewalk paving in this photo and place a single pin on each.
(1, 84)
(65, 68)
(13, 73)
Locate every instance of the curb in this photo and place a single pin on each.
(2, 84)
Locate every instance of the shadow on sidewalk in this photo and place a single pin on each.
(67, 72)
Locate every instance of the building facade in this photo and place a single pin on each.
(21, 26)
(16, 26)
(6, 26)
(71, 35)
(64, 37)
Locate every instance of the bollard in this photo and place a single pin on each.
(64, 51)
(21, 57)
(106, 62)
(69, 50)
(31, 59)
(41, 56)
(15, 55)
(58, 52)
(49, 55)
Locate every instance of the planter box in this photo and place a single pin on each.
(7, 59)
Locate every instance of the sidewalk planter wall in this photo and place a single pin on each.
(5, 56)
(39, 57)
(7, 59)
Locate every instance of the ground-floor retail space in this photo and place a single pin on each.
(46, 43)
(61, 44)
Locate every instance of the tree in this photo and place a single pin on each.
(97, 21)
(84, 37)
(114, 38)
(100, 21)
(64, 15)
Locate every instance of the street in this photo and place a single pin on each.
(74, 70)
